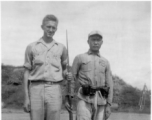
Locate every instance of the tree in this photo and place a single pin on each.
(130, 96)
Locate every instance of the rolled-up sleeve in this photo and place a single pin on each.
(75, 67)
(28, 58)
(109, 83)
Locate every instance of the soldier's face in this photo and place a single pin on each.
(95, 42)
(49, 28)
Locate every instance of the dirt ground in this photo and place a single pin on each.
(11, 114)
(20, 115)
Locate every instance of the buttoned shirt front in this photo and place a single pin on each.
(45, 61)
(93, 69)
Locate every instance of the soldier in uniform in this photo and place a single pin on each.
(93, 73)
(45, 68)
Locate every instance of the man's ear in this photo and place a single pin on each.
(102, 42)
(56, 29)
(42, 27)
(88, 41)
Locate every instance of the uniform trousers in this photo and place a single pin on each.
(46, 101)
(87, 111)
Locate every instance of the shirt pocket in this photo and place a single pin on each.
(37, 64)
(102, 67)
(86, 66)
(56, 62)
(38, 60)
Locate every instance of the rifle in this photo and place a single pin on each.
(69, 83)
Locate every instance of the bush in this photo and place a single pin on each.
(12, 89)
(13, 96)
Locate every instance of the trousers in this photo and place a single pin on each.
(46, 101)
(86, 111)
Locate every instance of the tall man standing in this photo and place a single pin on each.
(93, 73)
(45, 67)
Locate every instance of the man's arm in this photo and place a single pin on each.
(26, 85)
(109, 83)
(67, 74)
(75, 69)
(64, 62)
(26, 91)
(27, 68)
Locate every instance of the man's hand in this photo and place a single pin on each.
(69, 76)
(67, 105)
(107, 112)
(27, 105)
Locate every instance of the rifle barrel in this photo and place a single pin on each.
(69, 82)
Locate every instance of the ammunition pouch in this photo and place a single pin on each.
(86, 90)
(104, 91)
(91, 91)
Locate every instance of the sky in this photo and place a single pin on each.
(125, 27)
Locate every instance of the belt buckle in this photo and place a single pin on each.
(51, 83)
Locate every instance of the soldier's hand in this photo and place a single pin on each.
(27, 105)
(107, 112)
(69, 76)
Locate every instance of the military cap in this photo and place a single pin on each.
(95, 32)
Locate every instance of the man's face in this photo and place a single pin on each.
(95, 42)
(49, 28)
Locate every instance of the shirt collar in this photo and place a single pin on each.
(90, 52)
(42, 41)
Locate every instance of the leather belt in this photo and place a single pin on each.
(47, 82)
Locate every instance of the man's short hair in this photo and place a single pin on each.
(50, 18)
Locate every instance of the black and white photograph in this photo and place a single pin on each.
(76, 60)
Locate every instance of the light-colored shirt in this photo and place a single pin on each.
(45, 60)
(93, 69)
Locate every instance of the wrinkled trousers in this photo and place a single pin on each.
(86, 111)
(46, 101)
